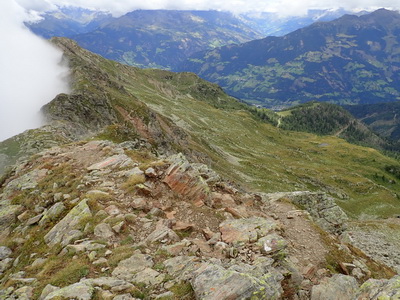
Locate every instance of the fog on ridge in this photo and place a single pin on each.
(31, 73)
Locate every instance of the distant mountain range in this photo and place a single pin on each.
(164, 38)
(69, 21)
(351, 60)
(147, 38)
(273, 24)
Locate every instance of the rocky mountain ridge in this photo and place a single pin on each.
(121, 224)
(115, 212)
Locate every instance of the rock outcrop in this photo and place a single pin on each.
(321, 207)
(119, 227)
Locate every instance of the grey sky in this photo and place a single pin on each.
(284, 7)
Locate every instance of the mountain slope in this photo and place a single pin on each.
(110, 213)
(219, 131)
(381, 118)
(330, 119)
(163, 38)
(181, 112)
(347, 61)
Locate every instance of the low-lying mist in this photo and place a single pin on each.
(31, 73)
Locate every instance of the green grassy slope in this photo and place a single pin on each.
(255, 154)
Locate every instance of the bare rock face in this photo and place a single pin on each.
(83, 113)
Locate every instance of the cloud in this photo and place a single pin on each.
(284, 7)
(30, 72)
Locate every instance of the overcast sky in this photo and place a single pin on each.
(291, 7)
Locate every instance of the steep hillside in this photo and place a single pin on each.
(352, 60)
(163, 38)
(330, 119)
(181, 112)
(116, 212)
(381, 118)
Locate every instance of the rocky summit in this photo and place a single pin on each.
(123, 198)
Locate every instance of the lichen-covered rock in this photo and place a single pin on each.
(381, 289)
(52, 213)
(246, 230)
(213, 282)
(321, 207)
(5, 264)
(25, 182)
(76, 291)
(24, 293)
(69, 223)
(128, 268)
(103, 231)
(106, 282)
(338, 287)
(272, 243)
(8, 215)
(182, 267)
(148, 277)
(47, 290)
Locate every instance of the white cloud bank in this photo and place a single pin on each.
(284, 7)
(30, 73)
